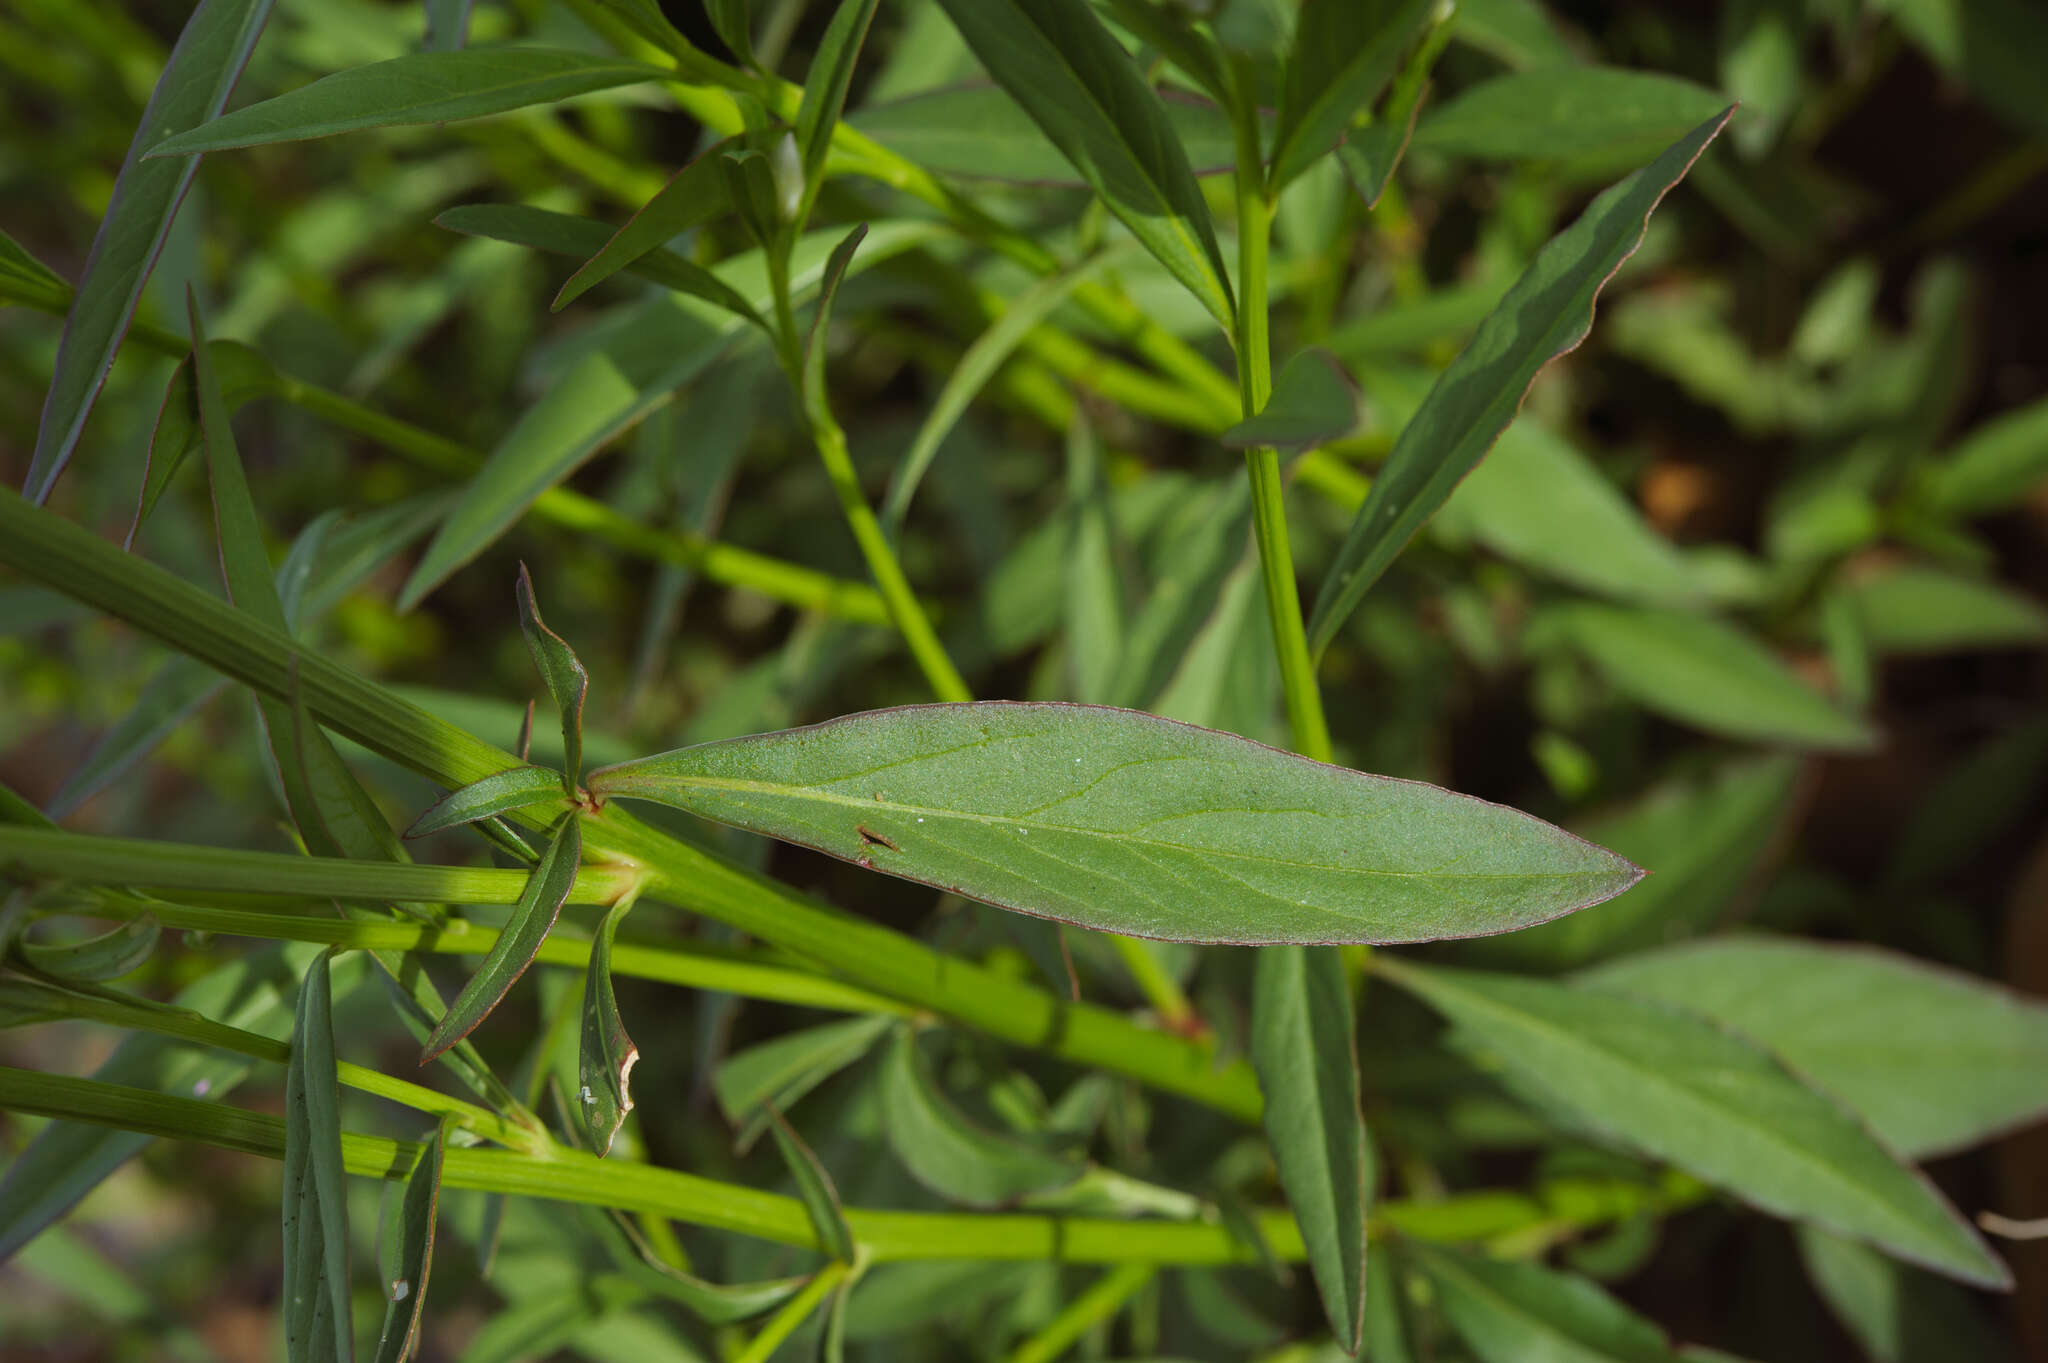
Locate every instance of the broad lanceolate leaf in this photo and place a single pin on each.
(317, 1321)
(949, 1154)
(1568, 111)
(1546, 313)
(777, 1074)
(814, 1187)
(1703, 672)
(1344, 53)
(1127, 822)
(1898, 1314)
(693, 196)
(1304, 1046)
(1933, 1059)
(528, 927)
(210, 54)
(1081, 87)
(422, 87)
(825, 89)
(607, 1055)
(405, 1293)
(1514, 1312)
(1683, 1090)
(563, 672)
(1312, 403)
(517, 788)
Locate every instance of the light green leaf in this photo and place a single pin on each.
(977, 132)
(1344, 53)
(317, 1319)
(1566, 112)
(1515, 1313)
(1304, 1046)
(1312, 403)
(421, 87)
(1094, 586)
(825, 86)
(1702, 672)
(105, 956)
(1209, 542)
(405, 1293)
(712, 1303)
(211, 51)
(836, 265)
(1548, 312)
(1082, 89)
(607, 1055)
(693, 196)
(1916, 608)
(532, 917)
(1130, 823)
(1680, 1089)
(949, 1154)
(518, 788)
(814, 1188)
(447, 25)
(563, 673)
(1898, 1314)
(777, 1074)
(1933, 1059)
(1997, 464)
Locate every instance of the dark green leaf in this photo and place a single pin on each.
(108, 956)
(1933, 1059)
(777, 1074)
(733, 25)
(693, 196)
(1186, 594)
(1179, 41)
(1898, 1314)
(1546, 313)
(406, 1293)
(1681, 1089)
(1568, 111)
(978, 132)
(563, 673)
(1344, 53)
(1513, 1313)
(1304, 1046)
(1977, 801)
(212, 49)
(814, 1187)
(1081, 87)
(1703, 672)
(1312, 404)
(607, 1055)
(750, 188)
(518, 788)
(712, 1303)
(1387, 1332)
(1131, 823)
(825, 87)
(421, 87)
(564, 234)
(317, 1319)
(949, 1154)
(514, 950)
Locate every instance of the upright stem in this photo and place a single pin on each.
(1103, 1299)
(1305, 720)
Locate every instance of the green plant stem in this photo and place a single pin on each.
(1160, 989)
(573, 1176)
(794, 1312)
(1100, 1302)
(904, 609)
(44, 547)
(1305, 721)
(729, 565)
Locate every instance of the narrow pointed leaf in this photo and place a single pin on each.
(1178, 40)
(1680, 1089)
(518, 788)
(1312, 403)
(777, 1074)
(1933, 1059)
(106, 956)
(421, 87)
(814, 1187)
(316, 1295)
(949, 1154)
(1083, 90)
(836, 266)
(211, 51)
(825, 87)
(1548, 312)
(514, 950)
(712, 1303)
(405, 1295)
(563, 673)
(1514, 1312)
(564, 234)
(25, 279)
(1304, 1046)
(692, 197)
(1898, 1314)
(1343, 55)
(1131, 823)
(607, 1055)
(731, 22)
(1095, 599)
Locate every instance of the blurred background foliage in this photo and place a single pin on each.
(1753, 592)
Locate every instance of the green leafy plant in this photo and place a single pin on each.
(1110, 324)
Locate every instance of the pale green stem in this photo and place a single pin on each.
(1160, 989)
(1103, 1299)
(794, 1312)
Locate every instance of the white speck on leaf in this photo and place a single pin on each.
(586, 1094)
(400, 1290)
(202, 1087)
